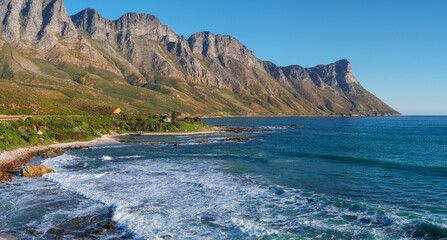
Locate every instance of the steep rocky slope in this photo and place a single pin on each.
(86, 63)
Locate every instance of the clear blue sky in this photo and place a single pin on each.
(398, 49)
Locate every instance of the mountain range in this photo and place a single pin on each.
(53, 63)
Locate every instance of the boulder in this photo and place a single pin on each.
(35, 171)
(82, 227)
(110, 226)
(52, 153)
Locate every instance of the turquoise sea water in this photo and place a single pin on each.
(334, 178)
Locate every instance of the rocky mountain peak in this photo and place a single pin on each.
(93, 23)
(213, 46)
(56, 20)
(130, 25)
(144, 25)
(87, 17)
(337, 74)
(35, 19)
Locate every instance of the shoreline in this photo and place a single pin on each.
(7, 157)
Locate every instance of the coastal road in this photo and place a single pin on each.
(5, 118)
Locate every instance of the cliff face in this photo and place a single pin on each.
(30, 20)
(206, 72)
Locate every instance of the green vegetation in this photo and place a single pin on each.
(47, 88)
(47, 130)
(75, 71)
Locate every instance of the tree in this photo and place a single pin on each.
(175, 115)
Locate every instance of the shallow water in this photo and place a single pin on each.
(334, 178)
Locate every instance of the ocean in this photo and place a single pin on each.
(332, 178)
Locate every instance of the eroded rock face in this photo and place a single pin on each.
(35, 171)
(224, 62)
(35, 19)
(143, 51)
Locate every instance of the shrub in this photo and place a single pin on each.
(19, 133)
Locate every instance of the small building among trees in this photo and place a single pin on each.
(117, 111)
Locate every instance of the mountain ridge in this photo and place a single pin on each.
(137, 63)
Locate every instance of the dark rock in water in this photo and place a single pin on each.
(135, 138)
(56, 233)
(110, 226)
(99, 232)
(131, 141)
(279, 191)
(295, 126)
(35, 171)
(32, 232)
(77, 148)
(52, 153)
(237, 138)
(86, 227)
(166, 237)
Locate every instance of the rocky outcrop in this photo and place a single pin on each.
(35, 171)
(207, 71)
(52, 153)
(82, 227)
(35, 19)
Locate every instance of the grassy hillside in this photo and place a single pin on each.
(44, 88)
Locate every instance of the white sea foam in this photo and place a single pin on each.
(36, 203)
(106, 158)
(189, 199)
(151, 204)
(252, 228)
(132, 156)
(113, 146)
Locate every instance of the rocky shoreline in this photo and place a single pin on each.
(83, 227)
(14, 161)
